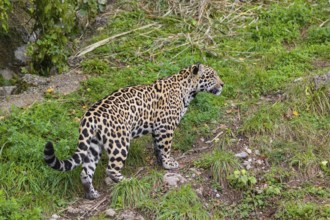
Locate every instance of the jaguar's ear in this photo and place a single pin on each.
(196, 68)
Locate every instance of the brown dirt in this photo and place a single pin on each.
(64, 84)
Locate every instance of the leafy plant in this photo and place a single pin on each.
(241, 179)
(54, 21)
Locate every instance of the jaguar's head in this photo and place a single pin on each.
(208, 79)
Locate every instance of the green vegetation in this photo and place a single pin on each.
(55, 20)
(221, 163)
(182, 203)
(128, 193)
(5, 7)
(241, 179)
(267, 54)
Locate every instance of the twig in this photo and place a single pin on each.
(323, 23)
(209, 142)
(105, 41)
(139, 171)
(95, 207)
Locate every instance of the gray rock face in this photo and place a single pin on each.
(7, 90)
(35, 80)
(173, 179)
(7, 74)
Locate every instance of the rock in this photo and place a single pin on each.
(73, 210)
(54, 217)
(321, 80)
(108, 181)
(246, 162)
(7, 74)
(259, 162)
(248, 150)
(199, 191)
(242, 155)
(20, 54)
(257, 152)
(130, 215)
(172, 179)
(7, 90)
(195, 171)
(110, 213)
(35, 80)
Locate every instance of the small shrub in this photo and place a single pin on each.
(55, 20)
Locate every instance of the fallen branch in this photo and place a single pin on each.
(105, 41)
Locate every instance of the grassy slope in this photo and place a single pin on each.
(258, 49)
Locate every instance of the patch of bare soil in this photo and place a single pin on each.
(64, 84)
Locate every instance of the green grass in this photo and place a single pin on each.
(128, 193)
(259, 51)
(182, 203)
(221, 163)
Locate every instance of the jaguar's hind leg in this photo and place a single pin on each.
(117, 153)
(163, 142)
(88, 170)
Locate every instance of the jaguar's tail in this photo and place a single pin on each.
(61, 165)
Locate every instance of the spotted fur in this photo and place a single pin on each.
(130, 112)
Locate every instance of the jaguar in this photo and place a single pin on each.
(111, 123)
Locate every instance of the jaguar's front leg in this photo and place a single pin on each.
(163, 142)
